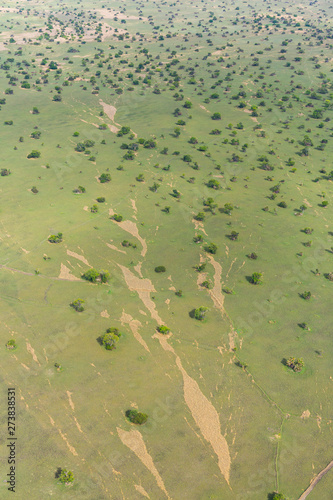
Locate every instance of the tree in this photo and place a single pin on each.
(136, 417)
(66, 476)
(34, 154)
(91, 275)
(78, 305)
(11, 344)
(256, 278)
(277, 496)
(200, 216)
(200, 313)
(216, 116)
(296, 364)
(163, 329)
(104, 178)
(110, 338)
(213, 183)
(35, 111)
(55, 238)
(117, 217)
(306, 295)
(211, 248)
(160, 269)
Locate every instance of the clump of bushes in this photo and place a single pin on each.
(55, 238)
(93, 276)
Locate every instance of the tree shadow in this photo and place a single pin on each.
(284, 361)
(57, 472)
(191, 313)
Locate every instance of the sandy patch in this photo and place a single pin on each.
(143, 287)
(24, 250)
(86, 208)
(32, 352)
(199, 226)
(79, 257)
(71, 404)
(65, 274)
(134, 206)
(25, 366)
(305, 414)
(78, 425)
(105, 314)
(111, 14)
(134, 441)
(137, 268)
(71, 448)
(134, 325)
(131, 227)
(203, 107)
(204, 414)
(141, 490)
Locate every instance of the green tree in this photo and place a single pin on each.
(104, 178)
(200, 313)
(66, 476)
(160, 269)
(256, 278)
(34, 154)
(296, 364)
(163, 329)
(78, 305)
(136, 417)
(110, 338)
(91, 275)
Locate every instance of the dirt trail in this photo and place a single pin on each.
(134, 325)
(143, 287)
(134, 441)
(316, 480)
(204, 414)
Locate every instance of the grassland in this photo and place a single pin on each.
(227, 418)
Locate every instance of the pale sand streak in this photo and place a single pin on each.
(141, 490)
(134, 325)
(65, 274)
(143, 287)
(204, 414)
(32, 352)
(198, 404)
(134, 441)
(79, 257)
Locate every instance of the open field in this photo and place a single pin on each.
(211, 124)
